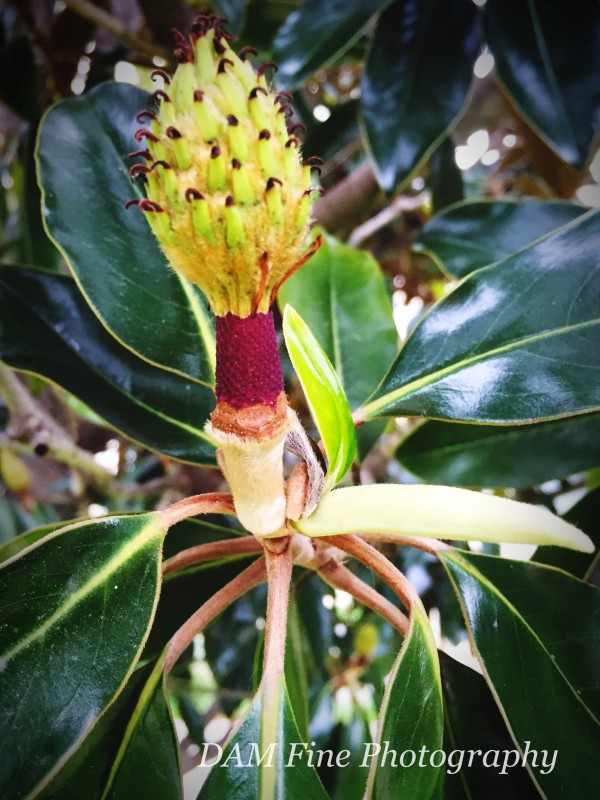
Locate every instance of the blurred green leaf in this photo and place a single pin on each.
(47, 328)
(514, 342)
(325, 396)
(234, 12)
(412, 717)
(316, 34)
(501, 455)
(59, 671)
(585, 515)
(415, 82)
(83, 171)
(547, 58)
(540, 657)
(471, 235)
(296, 678)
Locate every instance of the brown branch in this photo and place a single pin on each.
(253, 575)
(210, 503)
(364, 552)
(247, 545)
(103, 19)
(279, 572)
(340, 577)
(432, 546)
(338, 208)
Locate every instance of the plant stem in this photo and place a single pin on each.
(340, 577)
(279, 573)
(31, 420)
(354, 546)
(212, 550)
(210, 503)
(253, 575)
(432, 546)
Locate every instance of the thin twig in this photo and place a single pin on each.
(384, 217)
(29, 419)
(252, 576)
(279, 572)
(113, 25)
(354, 546)
(432, 546)
(210, 503)
(247, 545)
(340, 577)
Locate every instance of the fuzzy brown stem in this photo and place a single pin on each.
(432, 546)
(279, 572)
(253, 575)
(340, 577)
(247, 545)
(364, 552)
(210, 503)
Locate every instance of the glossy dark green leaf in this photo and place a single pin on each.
(47, 328)
(83, 170)
(416, 81)
(548, 59)
(296, 678)
(507, 455)
(412, 717)
(75, 611)
(535, 632)
(471, 235)
(17, 543)
(585, 515)
(445, 178)
(315, 34)
(514, 342)
(341, 295)
(473, 722)
(234, 12)
(147, 764)
(240, 775)
(351, 778)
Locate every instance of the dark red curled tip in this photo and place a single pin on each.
(161, 74)
(198, 96)
(292, 141)
(229, 201)
(193, 194)
(160, 163)
(245, 52)
(236, 164)
(297, 126)
(173, 133)
(314, 161)
(139, 117)
(222, 63)
(130, 203)
(267, 65)
(232, 120)
(142, 153)
(279, 95)
(271, 183)
(149, 205)
(254, 92)
(138, 169)
(220, 48)
(264, 134)
(143, 132)
(159, 94)
(215, 151)
(285, 108)
(183, 49)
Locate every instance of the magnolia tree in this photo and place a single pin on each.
(251, 548)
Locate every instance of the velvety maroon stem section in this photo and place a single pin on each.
(248, 363)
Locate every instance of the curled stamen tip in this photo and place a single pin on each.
(271, 183)
(314, 160)
(159, 94)
(160, 163)
(267, 65)
(245, 51)
(193, 194)
(232, 120)
(145, 113)
(292, 141)
(136, 170)
(215, 151)
(222, 63)
(173, 133)
(198, 96)
(130, 203)
(254, 92)
(298, 126)
(161, 74)
(264, 134)
(229, 201)
(285, 108)
(183, 49)
(143, 153)
(149, 205)
(236, 164)
(143, 132)
(279, 95)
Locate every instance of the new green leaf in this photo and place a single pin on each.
(439, 512)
